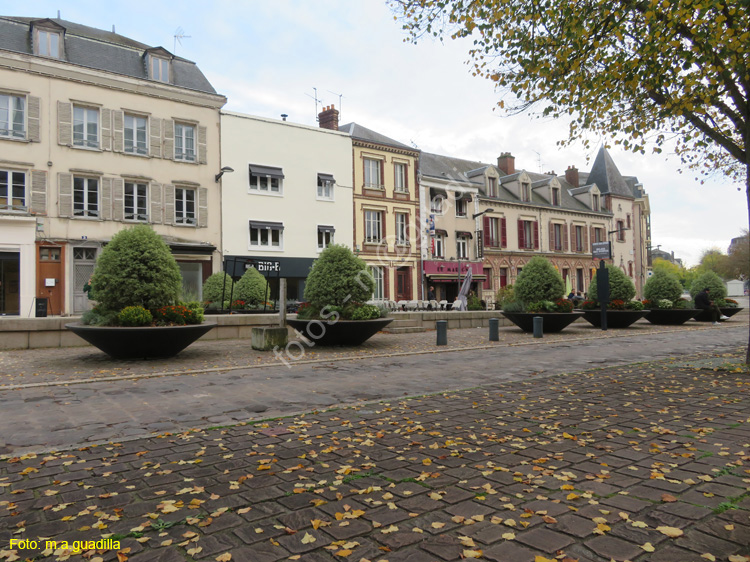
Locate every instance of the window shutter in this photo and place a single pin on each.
(118, 131)
(38, 192)
(202, 144)
(32, 117)
(592, 234)
(504, 233)
(564, 229)
(536, 235)
(65, 194)
(106, 129)
(155, 213)
(551, 236)
(154, 148)
(521, 237)
(387, 284)
(168, 130)
(573, 243)
(383, 227)
(106, 210)
(64, 123)
(118, 185)
(202, 207)
(488, 241)
(585, 233)
(169, 204)
(381, 179)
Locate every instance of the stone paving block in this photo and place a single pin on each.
(544, 540)
(613, 548)
(509, 550)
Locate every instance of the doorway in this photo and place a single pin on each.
(49, 282)
(403, 284)
(84, 260)
(10, 276)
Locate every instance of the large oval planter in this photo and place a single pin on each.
(341, 332)
(552, 321)
(705, 315)
(147, 342)
(615, 318)
(670, 316)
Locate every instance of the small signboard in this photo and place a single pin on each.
(41, 307)
(480, 244)
(601, 250)
(431, 225)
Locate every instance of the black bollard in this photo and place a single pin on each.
(442, 332)
(494, 329)
(538, 326)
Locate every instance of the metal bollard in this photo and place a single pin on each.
(538, 326)
(442, 332)
(494, 329)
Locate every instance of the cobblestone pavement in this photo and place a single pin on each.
(646, 462)
(65, 415)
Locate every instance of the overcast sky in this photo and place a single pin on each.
(267, 57)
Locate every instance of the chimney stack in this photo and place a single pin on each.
(329, 118)
(571, 176)
(507, 163)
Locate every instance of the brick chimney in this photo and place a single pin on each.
(571, 176)
(507, 163)
(329, 118)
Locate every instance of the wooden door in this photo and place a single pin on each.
(50, 283)
(403, 284)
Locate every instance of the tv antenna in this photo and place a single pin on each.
(539, 160)
(340, 96)
(315, 97)
(179, 35)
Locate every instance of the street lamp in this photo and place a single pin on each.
(475, 215)
(224, 170)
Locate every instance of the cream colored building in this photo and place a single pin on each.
(289, 197)
(99, 132)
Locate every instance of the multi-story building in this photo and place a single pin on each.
(385, 210)
(288, 197)
(99, 132)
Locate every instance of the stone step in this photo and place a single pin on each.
(390, 329)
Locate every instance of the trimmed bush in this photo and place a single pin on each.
(136, 268)
(212, 288)
(366, 312)
(338, 277)
(134, 316)
(539, 281)
(712, 281)
(620, 285)
(662, 285)
(251, 287)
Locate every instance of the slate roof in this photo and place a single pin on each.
(101, 50)
(357, 131)
(607, 177)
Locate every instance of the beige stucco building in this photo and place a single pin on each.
(289, 196)
(99, 132)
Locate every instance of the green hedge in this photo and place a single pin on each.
(662, 285)
(338, 277)
(712, 281)
(538, 281)
(620, 285)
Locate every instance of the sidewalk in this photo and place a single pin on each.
(644, 462)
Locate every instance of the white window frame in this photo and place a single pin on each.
(373, 227)
(494, 223)
(439, 246)
(183, 152)
(492, 187)
(372, 170)
(263, 238)
(187, 197)
(595, 202)
(48, 43)
(86, 208)
(402, 229)
(558, 236)
(266, 185)
(556, 201)
(130, 126)
(578, 238)
(84, 117)
(158, 67)
(598, 234)
(525, 192)
(399, 178)
(137, 211)
(325, 239)
(528, 235)
(9, 113)
(436, 205)
(462, 247)
(377, 273)
(325, 189)
(6, 202)
(461, 207)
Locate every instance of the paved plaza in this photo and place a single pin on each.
(625, 445)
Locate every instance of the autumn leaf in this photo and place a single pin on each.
(308, 539)
(226, 557)
(672, 532)
(648, 547)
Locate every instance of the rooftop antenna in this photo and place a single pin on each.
(58, 14)
(340, 96)
(315, 97)
(179, 35)
(539, 159)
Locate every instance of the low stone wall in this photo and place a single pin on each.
(456, 320)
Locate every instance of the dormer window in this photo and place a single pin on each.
(556, 196)
(595, 202)
(159, 69)
(48, 43)
(525, 191)
(491, 187)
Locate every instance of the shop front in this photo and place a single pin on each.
(294, 270)
(447, 277)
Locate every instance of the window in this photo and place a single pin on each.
(12, 122)
(438, 249)
(377, 275)
(579, 280)
(49, 254)
(462, 247)
(184, 206)
(525, 192)
(85, 197)
(184, 142)
(528, 235)
(556, 196)
(135, 134)
(265, 179)
(402, 229)
(557, 236)
(461, 207)
(565, 274)
(373, 226)
(48, 43)
(12, 190)
(136, 201)
(487, 284)
(492, 187)
(399, 178)
(491, 232)
(436, 205)
(372, 173)
(598, 235)
(325, 187)
(325, 237)
(628, 216)
(85, 127)
(579, 238)
(620, 231)
(630, 269)
(159, 69)
(268, 235)
(595, 205)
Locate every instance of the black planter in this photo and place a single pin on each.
(705, 315)
(148, 342)
(553, 321)
(671, 316)
(615, 318)
(342, 332)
